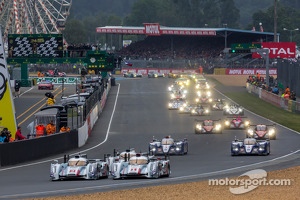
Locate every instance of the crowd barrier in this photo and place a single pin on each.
(37, 148)
(286, 104)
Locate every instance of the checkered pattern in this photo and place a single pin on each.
(23, 48)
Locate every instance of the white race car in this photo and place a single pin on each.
(79, 167)
(118, 157)
(142, 166)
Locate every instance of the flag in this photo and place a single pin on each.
(261, 28)
(128, 64)
(7, 107)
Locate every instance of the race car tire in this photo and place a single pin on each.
(187, 150)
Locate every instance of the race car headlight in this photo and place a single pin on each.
(199, 93)
(198, 126)
(218, 127)
(250, 131)
(183, 96)
(172, 95)
(247, 123)
(115, 168)
(181, 108)
(53, 169)
(178, 148)
(207, 86)
(170, 105)
(261, 148)
(197, 86)
(206, 111)
(209, 93)
(271, 132)
(235, 148)
(227, 123)
(193, 111)
(91, 169)
(240, 110)
(185, 91)
(210, 100)
(197, 100)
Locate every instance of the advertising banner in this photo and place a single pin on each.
(278, 50)
(7, 108)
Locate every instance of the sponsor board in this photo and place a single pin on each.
(278, 50)
(272, 71)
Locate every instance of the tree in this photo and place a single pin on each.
(74, 32)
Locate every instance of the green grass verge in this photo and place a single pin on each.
(254, 104)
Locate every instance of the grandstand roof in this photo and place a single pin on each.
(156, 29)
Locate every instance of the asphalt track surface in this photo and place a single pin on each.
(136, 110)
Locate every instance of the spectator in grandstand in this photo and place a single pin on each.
(275, 90)
(287, 90)
(293, 96)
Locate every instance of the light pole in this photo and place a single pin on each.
(291, 32)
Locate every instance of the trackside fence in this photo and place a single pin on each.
(286, 104)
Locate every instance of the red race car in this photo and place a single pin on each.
(45, 85)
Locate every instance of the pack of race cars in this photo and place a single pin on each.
(155, 163)
(257, 136)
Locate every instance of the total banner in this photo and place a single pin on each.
(278, 50)
(7, 108)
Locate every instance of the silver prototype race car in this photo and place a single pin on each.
(141, 166)
(118, 157)
(168, 146)
(79, 167)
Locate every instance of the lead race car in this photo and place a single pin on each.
(250, 146)
(262, 131)
(79, 167)
(141, 166)
(168, 146)
(208, 126)
(236, 122)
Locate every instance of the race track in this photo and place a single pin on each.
(136, 111)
